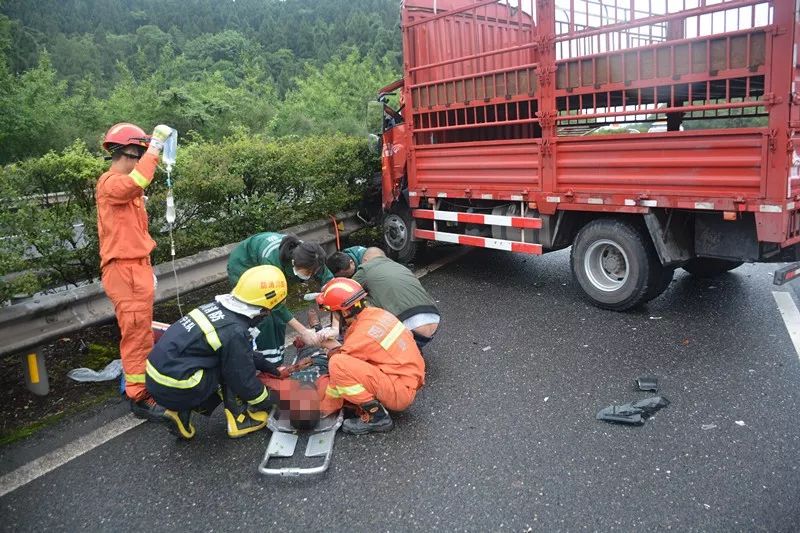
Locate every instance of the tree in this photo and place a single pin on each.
(334, 98)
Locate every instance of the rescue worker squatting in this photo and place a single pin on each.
(207, 358)
(125, 247)
(299, 261)
(378, 366)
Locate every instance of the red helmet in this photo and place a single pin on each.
(340, 294)
(123, 134)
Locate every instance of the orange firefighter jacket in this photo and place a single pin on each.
(377, 337)
(122, 227)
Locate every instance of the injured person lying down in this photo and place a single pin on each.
(301, 393)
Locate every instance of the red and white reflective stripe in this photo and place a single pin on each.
(475, 218)
(792, 274)
(480, 242)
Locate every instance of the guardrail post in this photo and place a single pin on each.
(36, 372)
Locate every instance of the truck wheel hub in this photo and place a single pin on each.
(395, 232)
(606, 265)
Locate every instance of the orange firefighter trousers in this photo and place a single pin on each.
(129, 285)
(359, 382)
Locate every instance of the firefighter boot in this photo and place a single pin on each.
(245, 422)
(241, 420)
(148, 409)
(374, 418)
(180, 423)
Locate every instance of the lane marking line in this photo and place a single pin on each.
(50, 461)
(791, 316)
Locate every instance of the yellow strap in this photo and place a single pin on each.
(167, 381)
(389, 339)
(350, 390)
(211, 334)
(139, 179)
(134, 378)
(260, 398)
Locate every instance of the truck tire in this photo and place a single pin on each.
(706, 267)
(661, 285)
(616, 265)
(398, 235)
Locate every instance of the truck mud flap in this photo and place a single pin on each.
(787, 274)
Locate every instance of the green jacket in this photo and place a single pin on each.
(393, 287)
(264, 249)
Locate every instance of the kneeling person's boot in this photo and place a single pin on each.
(245, 421)
(241, 420)
(180, 423)
(374, 418)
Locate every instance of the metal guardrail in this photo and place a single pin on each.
(40, 319)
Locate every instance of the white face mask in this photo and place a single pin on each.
(304, 277)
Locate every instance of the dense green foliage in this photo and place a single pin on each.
(268, 96)
(70, 68)
(224, 192)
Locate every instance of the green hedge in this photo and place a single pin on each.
(223, 191)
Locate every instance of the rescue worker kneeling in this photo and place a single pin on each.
(207, 357)
(378, 367)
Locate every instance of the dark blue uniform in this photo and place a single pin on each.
(209, 347)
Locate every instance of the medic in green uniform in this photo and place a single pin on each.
(299, 261)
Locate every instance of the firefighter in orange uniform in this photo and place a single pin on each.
(378, 367)
(125, 246)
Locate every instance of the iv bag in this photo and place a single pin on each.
(170, 150)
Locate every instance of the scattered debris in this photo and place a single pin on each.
(740, 423)
(633, 413)
(706, 506)
(706, 427)
(656, 317)
(487, 348)
(546, 398)
(647, 383)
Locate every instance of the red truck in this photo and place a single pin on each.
(495, 140)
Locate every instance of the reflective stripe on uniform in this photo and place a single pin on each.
(134, 378)
(260, 398)
(345, 390)
(167, 381)
(139, 179)
(205, 325)
(389, 339)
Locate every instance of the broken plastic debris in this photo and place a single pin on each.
(706, 427)
(633, 413)
(740, 423)
(487, 348)
(546, 398)
(647, 383)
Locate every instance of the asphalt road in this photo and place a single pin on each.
(503, 436)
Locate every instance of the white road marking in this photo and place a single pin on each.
(49, 462)
(791, 316)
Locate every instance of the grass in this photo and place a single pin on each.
(29, 429)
